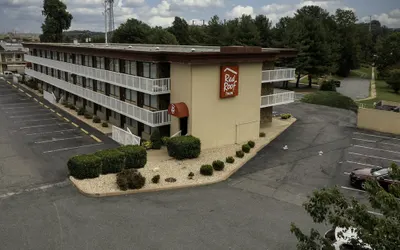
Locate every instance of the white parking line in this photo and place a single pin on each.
(353, 189)
(50, 132)
(377, 136)
(377, 149)
(391, 144)
(364, 164)
(31, 106)
(346, 173)
(26, 111)
(357, 139)
(37, 120)
(46, 125)
(21, 116)
(71, 148)
(386, 143)
(13, 104)
(58, 139)
(373, 156)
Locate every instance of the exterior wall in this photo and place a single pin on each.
(181, 91)
(134, 130)
(89, 109)
(379, 120)
(70, 99)
(78, 103)
(219, 121)
(266, 113)
(115, 121)
(102, 115)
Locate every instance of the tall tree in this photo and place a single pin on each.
(388, 52)
(217, 32)
(247, 31)
(329, 206)
(264, 25)
(198, 34)
(57, 19)
(132, 31)
(180, 29)
(159, 35)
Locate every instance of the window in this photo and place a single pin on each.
(133, 70)
(154, 101)
(132, 122)
(146, 70)
(78, 59)
(89, 103)
(153, 71)
(100, 108)
(147, 129)
(101, 87)
(89, 83)
(147, 100)
(131, 95)
(86, 58)
(113, 90)
(114, 114)
(90, 61)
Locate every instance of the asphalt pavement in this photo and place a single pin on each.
(355, 88)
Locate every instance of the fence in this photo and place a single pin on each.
(278, 75)
(124, 137)
(49, 97)
(277, 99)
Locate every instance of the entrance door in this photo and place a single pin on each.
(122, 121)
(140, 99)
(183, 125)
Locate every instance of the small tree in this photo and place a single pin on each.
(155, 139)
(329, 206)
(394, 80)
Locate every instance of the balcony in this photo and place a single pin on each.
(142, 84)
(278, 75)
(277, 99)
(153, 119)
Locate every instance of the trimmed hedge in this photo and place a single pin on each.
(130, 178)
(81, 111)
(206, 170)
(262, 134)
(96, 119)
(240, 154)
(246, 148)
(84, 166)
(184, 147)
(88, 116)
(135, 156)
(285, 116)
(331, 99)
(155, 139)
(251, 144)
(112, 160)
(230, 159)
(104, 125)
(218, 165)
(328, 85)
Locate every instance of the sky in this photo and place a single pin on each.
(25, 15)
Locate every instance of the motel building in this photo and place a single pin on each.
(222, 95)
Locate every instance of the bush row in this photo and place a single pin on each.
(107, 161)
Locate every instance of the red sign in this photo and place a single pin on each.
(229, 82)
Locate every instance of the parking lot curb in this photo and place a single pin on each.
(223, 178)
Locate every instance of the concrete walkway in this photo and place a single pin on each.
(355, 88)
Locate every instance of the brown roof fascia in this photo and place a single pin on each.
(167, 56)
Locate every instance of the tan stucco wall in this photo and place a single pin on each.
(379, 120)
(226, 121)
(181, 91)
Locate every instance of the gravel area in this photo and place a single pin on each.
(160, 163)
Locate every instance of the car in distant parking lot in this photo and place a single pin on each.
(359, 176)
(8, 74)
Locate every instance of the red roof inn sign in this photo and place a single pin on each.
(229, 82)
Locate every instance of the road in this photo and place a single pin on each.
(355, 88)
(253, 209)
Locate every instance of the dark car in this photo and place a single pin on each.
(360, 175)
(337, 83)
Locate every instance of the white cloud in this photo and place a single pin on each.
(391, 19)
(198, 3)
(162, 9)
(239, 10)
(161, 21)
(273, 8)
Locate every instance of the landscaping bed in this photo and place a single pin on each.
(185, 172)
(331, 99)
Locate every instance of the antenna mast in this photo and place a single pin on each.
(108, 19)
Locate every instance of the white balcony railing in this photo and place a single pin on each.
(277, 75)
(142, 84)
(153, 119)
(277, 99)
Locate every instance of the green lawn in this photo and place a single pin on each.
(363, 72)
(383, 92)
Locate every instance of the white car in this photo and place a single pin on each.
(341, 238)
(8, 74)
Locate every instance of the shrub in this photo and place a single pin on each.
(251, 144)
(84, 166)
(88, 116)
(206, 170)
(262, 134)
(190, 175)
(331, 99)
(72, 106)
(135, 156)
(112, 160)
(104, 125)
(239, 153)
(65, 104)
(147, 144)
(393, 80)
(165, 140)
(81, 111)
(96, 119)
(130, 178)
(230, 159)
(155, 139)
(328, 85)
(184, 147)
(218, 165)
(285, 116)
(155, 179)
(246, 148)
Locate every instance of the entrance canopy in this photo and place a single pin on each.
(179, 110)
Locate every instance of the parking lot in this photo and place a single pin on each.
(37, 139)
